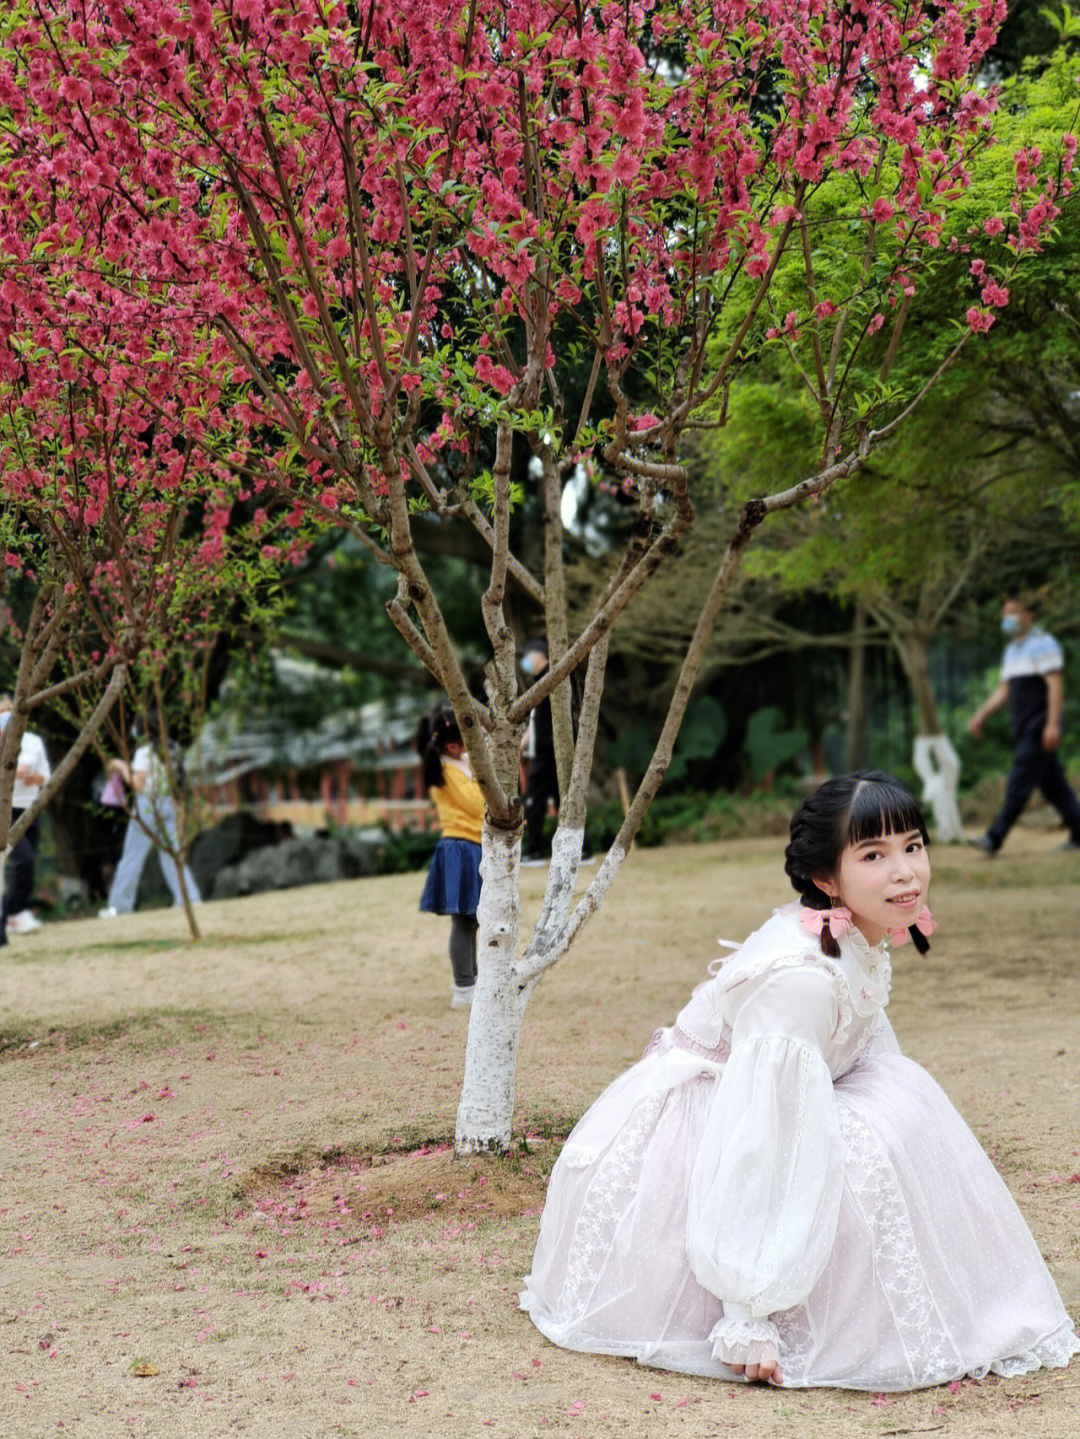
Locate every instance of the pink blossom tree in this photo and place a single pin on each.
(115, 530)
(401, 245)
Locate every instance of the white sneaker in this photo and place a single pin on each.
(461, 996)
(24, 922)
(108, 912)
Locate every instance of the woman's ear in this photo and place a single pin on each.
(828, 886)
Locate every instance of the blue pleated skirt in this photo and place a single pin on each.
(453, 881)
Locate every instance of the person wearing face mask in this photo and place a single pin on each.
(1033, 686)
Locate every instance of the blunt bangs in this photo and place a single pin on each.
(882, 806)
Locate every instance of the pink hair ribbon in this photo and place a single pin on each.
(925, 924)
(814, 920)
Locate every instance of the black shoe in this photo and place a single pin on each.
(986, 844)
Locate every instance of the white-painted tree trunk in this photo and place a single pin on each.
(504, 985)
(938, 766)
(486, 1109)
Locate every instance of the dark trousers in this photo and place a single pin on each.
(20, 874)
(541, 785)
(1034, 767)
(463, 949)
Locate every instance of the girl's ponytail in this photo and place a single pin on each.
(433, 733)
(431, 765)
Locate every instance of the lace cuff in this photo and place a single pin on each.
(739, 1338)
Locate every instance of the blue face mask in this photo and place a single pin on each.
(1011, 625)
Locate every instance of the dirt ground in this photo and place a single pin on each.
(226, 1204)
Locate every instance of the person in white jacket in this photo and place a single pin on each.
(151, 825)
(774, 1192)
(31, 774)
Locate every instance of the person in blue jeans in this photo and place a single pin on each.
(152, 819)
(1033, 686)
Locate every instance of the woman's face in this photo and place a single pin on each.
(884, 882)
(453, 750)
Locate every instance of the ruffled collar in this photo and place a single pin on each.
(867, 969)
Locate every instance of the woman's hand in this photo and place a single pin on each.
(767, 1372)
(747, 1346)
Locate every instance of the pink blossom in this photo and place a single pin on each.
(494, 94)
(979, 319)
(625, 167)
(498, 376)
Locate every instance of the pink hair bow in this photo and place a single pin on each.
(925, 924)
(814, 920)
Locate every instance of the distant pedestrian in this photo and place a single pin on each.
(542, 779)
(453, 881)
(151, 825)
(31, 774)
(1033, 686)
(538, 751)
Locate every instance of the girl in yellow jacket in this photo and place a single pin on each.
(453, 882)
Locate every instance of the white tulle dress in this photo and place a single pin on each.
(775, 1172)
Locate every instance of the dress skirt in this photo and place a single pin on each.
(933, 1272)
(453, 881)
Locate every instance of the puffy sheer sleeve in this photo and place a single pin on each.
(766, 1185)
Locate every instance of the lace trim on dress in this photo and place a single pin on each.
(864, 1042)
(873, 1185)
(703, 1019)
(607, 1199)
(1054, 1352)
(718, 1053)
(845, 1017)
(744, 1341)
(797, 1346)
(867, 972)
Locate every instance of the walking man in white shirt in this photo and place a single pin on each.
(1033, 686)
(32, 772)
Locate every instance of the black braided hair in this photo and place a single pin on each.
(846, 810)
